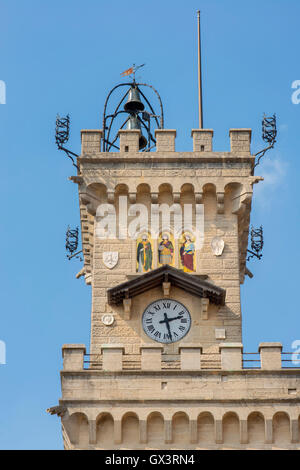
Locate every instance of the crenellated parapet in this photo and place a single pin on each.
(259, 405)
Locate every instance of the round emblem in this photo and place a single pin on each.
(107, 319)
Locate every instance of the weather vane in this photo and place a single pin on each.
(131, 71)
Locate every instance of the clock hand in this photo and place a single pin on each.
(166, 321)
(175, 318)
(171, 319)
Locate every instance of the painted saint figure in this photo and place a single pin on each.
(187, 254)
(165, 250)
(144, 254)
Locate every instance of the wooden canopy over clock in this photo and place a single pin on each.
(192, 284)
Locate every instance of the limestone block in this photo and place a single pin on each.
(112, 357)
(90, 141)
(240, 140)
(270, 355)
(190, 357)
(151, 356)
(73, 355)
(165, 140)
(202, 140)
(129, 140)
(231, 356)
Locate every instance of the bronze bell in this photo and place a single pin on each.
(134, 102)
(133, 123)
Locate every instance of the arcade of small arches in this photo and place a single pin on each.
(224, 195)
(187, 430)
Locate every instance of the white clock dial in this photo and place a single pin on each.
(166, 321)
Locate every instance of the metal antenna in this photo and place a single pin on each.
(199, 74)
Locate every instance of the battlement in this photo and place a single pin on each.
(191, 357)
(116, 406)
(240, 140)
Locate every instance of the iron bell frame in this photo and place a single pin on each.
(144, 117)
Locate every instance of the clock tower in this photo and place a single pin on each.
(164, 239)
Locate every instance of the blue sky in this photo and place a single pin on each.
(64, 56)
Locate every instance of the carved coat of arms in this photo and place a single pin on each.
(217, 246)
(110, 258)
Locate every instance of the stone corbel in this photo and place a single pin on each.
(220, 202)
(176, 198)
(166, 286)
(199, 197)
(204, 309)
(127, 308)
(154, 198)
(256, 179)
(132, 198)
(76, 179)
(110, 197)
(241, 202)
(91, 202)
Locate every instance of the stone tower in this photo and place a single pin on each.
(165, 368)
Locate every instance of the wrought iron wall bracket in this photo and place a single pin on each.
(269, 133)
(62, 131)
(257, 243)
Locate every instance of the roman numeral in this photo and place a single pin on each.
(149, 320)
(157, 334)
(157, 307)
(175, 334)
(151, 328)
(166, 336)
(150, 313)
(181, 328)
(183, 320)
(166, 305)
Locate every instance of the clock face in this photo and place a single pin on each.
(166, 321)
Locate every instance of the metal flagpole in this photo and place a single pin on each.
(199, 75)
